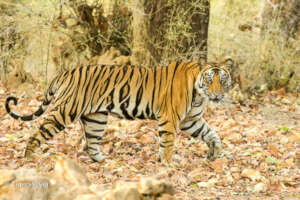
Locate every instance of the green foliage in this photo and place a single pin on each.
(10, 137)
(257, 155)
(192, 141)
(274, 161)
(271, 160)
(285, 129)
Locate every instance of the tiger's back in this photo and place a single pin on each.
(126, 91)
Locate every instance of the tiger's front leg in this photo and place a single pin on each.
(166, 131)
(198, 128)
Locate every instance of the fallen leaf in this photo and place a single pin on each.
(252, 174)
(273, 150)
(196, 175)
(209, 183)
(260, 187)
(218, 165)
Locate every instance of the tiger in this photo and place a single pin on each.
(174, 95)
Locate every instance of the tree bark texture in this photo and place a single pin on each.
(171, 28)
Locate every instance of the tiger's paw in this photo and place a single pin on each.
(29, 155)
(31, 148)
(166, 157)
(215, 149)
(98, 157)
(170, 164)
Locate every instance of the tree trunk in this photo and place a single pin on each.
(140, 50)
(200, 22)
(164, 31)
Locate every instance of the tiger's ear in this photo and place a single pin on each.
(228, 64)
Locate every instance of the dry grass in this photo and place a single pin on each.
(174, 38)
(265, 63)
(31, 22)
(44, 43)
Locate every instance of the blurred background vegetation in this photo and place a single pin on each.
(263, 37)
(44, 37)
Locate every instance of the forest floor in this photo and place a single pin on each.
(261, 150)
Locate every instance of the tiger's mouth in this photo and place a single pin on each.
(215, 100)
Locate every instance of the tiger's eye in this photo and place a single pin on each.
(208, 79)
(209, 76)
(223, 77)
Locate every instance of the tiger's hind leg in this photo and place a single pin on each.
(54, 123)
(166, 130)
(93, 125)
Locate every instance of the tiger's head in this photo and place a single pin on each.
(214, 80)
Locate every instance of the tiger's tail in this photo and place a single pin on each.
(48, 98)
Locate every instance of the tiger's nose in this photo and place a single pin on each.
(217, 96)
(220, 96)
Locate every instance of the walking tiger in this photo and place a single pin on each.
(174, 95)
